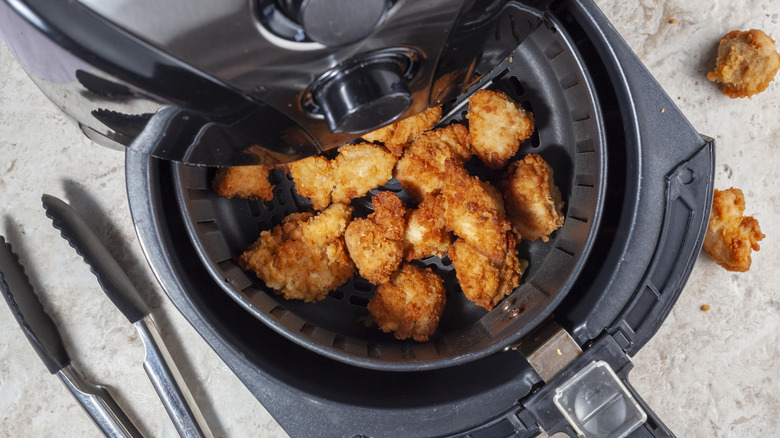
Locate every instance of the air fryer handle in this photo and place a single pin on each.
(540, 410)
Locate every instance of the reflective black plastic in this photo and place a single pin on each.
(112, 278)
(36, 324)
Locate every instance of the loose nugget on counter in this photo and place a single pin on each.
(731, 236)
(410, 304)
(747, 62)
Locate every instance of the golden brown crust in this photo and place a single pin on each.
(533, 201)
(497, 127)
(421, 170)
(357, 169)
(313, 178)
(425, 234)
(474, 211)
(483, 281)
(731, 236)
(747, 62)
(399, 135)
(375, 243)
(245, 182)
(305, 256)
(410, 304)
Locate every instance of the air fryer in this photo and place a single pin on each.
(554, 355)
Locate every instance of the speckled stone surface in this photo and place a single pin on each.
(706, 374)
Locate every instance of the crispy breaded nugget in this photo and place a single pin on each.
(747, 62)
(313, 178)
(411, 304)
(731, 236)
(375, 243)
(497, 127)
(533, 201)
(483, 281)
(357, 169)
(398, 135)
(304, 257)
(425, 234)
(474, 211)
(421, 169)
(245, 182)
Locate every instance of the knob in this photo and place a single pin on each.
(364, 97)
(336, 22)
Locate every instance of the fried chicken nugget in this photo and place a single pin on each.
(425, 234)
(421, 170)
(533, 201)
(313, 178)
(304, 257)
(411, 304)
(398, 135)
(483, 281)
(747, 62)
(731, 236)
(497, 127)
(375, 243)
(474, 211)
(357, 169)
(245, 182)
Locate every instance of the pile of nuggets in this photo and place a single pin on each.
(477, 225)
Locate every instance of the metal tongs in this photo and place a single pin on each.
(47, 342)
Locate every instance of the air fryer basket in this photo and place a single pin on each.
(546, 75)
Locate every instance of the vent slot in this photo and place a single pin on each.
(517, 87)
(277, 312)
(553, 50)
(565, 251)
(254, 208)
(198, 194)
(307, 329)
(357, 300)
(580, 115)
(206, 227)
(586, 147)
(373, 350)
(570, 81)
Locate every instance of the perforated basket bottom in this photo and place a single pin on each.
(545, 75)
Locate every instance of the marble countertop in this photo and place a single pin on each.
(705, 374)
